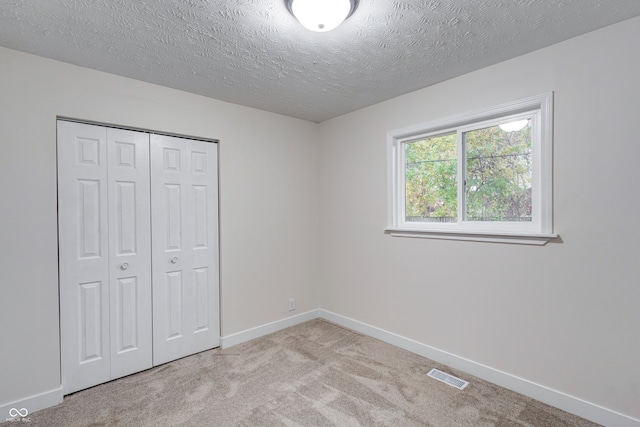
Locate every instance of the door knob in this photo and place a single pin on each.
(124, 266)
(174, 260)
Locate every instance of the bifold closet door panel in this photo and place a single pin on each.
(104, 253)
(184, 203)
(83, 255)
(129, 252)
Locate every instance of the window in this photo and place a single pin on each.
(482, 176)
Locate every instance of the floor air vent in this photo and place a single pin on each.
(448, 379)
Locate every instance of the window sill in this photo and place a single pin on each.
(513, 238)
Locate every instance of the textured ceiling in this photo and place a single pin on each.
(254, 53)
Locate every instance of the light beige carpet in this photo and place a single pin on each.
(313, 374)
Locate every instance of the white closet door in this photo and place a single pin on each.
(184, 202)
(130, 252)
(105, 256)
(84, 257)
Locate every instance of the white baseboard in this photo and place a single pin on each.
(539, 392)
(31, 404)
(259, 331)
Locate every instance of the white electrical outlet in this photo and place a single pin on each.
(292, 304)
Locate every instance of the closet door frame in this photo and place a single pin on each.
(104, 365)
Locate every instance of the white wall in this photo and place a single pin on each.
(566, 315)
(268, 188)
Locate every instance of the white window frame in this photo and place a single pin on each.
(538, 232)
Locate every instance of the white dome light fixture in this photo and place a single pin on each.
(514, 126)
(321, 15)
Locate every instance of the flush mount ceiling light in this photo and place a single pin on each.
(321, 15)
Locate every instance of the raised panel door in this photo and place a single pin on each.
(83, 255)
(129, 252)
(184, 200)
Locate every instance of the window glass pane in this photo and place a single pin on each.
(499, 173)
(430, 180)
